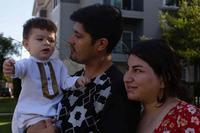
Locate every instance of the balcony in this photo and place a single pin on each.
(169, 4)
(125, 44)
(120, 52)
(134, 5)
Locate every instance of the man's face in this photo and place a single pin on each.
(82, 49)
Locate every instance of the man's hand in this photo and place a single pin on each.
(44, 126)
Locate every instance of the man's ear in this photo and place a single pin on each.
(101, 44)
(25, 44)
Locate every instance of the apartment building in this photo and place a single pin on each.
(140, 19)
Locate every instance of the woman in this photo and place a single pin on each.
(153, 78)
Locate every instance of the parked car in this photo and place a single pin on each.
(4, 92)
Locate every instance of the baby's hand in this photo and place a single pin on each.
(8, 67)
(82, 81)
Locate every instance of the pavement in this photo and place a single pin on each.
(4, 114)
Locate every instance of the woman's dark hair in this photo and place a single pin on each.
(164, 62)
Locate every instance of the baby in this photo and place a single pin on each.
(43, 77)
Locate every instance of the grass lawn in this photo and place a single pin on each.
(5, 124)
(7, 105)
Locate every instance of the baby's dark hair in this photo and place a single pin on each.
(38, 22)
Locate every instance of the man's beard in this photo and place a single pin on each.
(75, 59)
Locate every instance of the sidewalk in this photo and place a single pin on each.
(4, 114)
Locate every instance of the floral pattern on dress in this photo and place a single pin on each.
(183, 118)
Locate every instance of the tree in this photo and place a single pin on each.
(7, 48)
(181, 28)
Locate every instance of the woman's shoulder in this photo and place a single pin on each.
(182, 117)
(187, 116)
(186, 108)
(184, 111)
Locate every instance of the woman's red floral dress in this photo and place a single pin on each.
(183, 118)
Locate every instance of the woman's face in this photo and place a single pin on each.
(141, 82)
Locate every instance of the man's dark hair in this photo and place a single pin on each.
(38, 22)
(101, 21)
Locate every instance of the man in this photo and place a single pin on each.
(102, 106)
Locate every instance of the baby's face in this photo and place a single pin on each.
(40, 43)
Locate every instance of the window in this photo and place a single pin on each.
(136, 5)
(125, 44)
(117, 3)
(124, 4)
(183, 73)
(127, 4)
(197, 72)
(55, 3)
(43, 13)
(127, 38)
(169, 2)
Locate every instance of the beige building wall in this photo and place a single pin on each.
(139, 22)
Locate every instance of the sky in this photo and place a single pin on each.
(13, 14)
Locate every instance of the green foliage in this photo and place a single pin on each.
(7, 47)
(181, 28)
